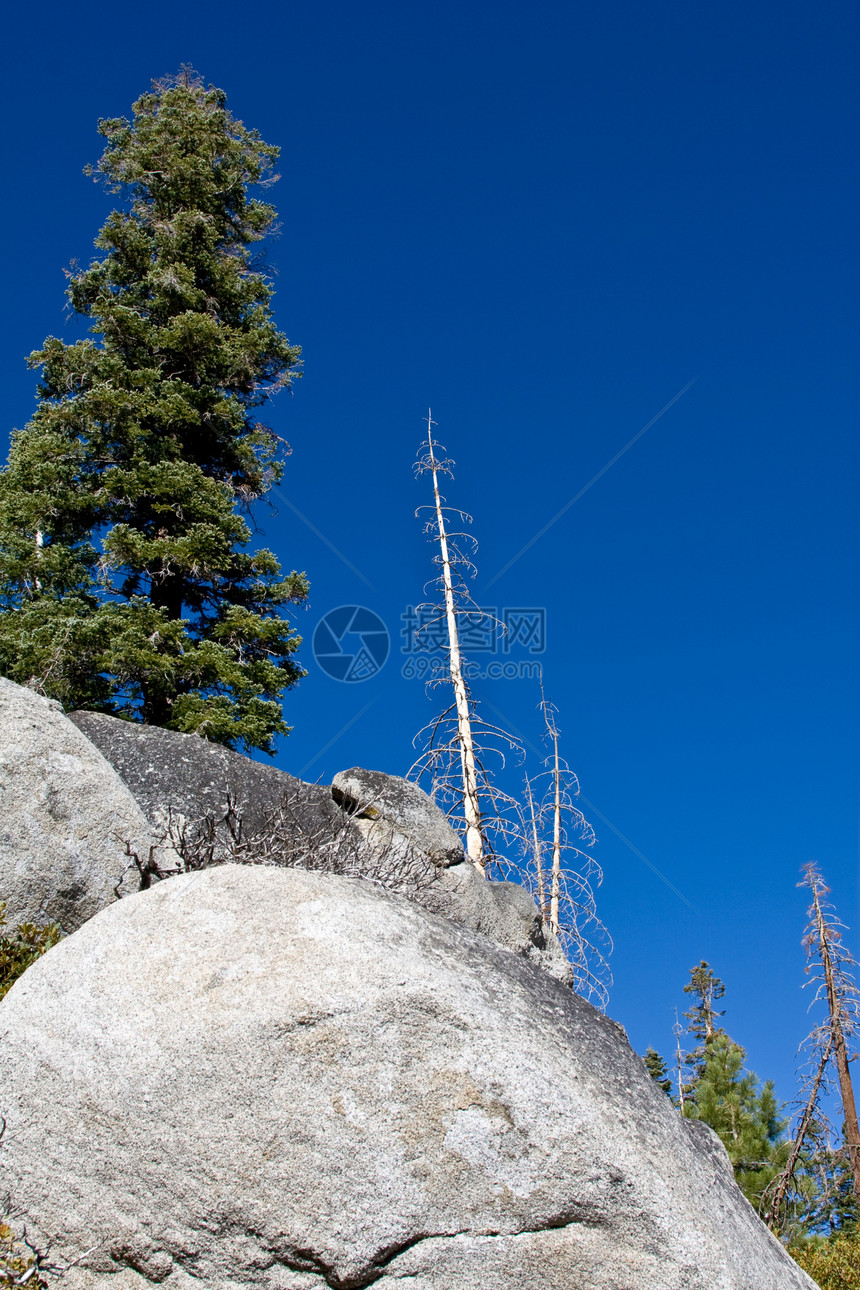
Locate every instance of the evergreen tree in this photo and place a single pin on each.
(707, 989)
(656, 1068)
(722, 1093)
(744, 1116)
(825, 1180)
(125, 585)
(839, 1208)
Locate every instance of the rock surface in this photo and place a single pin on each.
(64, 816)
(372, 796)
(393, 813)
(503, 911)
(184, 778)
(381, 826)
(259, 1077)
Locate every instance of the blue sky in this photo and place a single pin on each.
(546, 222)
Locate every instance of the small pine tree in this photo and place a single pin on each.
(125, 585)
(656, 1068)
(827, 1177)
(726, 1096)
(745, 1117)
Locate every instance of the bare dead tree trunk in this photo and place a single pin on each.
(556, 831)
(558, 803)
(537, 848)
(677, 1031)
(566, 874)
(774, 1217)
(840, 1050)
(471, 804)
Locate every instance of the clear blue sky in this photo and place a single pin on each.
(545, 221)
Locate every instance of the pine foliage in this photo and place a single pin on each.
(711, 1083)
(125, 583)
(656, 1068)
(707, 989)
(744, 1115)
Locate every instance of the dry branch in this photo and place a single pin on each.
(290, 836)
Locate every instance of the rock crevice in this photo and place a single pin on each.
(306, 1260)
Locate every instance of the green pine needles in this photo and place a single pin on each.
(126, 585)
(712, 1083)
(746, 1116)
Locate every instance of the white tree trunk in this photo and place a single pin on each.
(537, 849)
(471, 805)
(556, 835)
(677, 1030)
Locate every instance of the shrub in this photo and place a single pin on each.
(833, 1264)
(17, 1263)
(19, 948)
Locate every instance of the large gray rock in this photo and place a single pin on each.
(275, 1078)
(503, 911)
(368, 824)
(374, 797)
(65, 816)
(183, 779)
(398, 816)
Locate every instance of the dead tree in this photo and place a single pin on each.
(775, 1197)
(830, 967)
(677, 1031)
(830, 964)
(457, 745)
(535, 844)
(560, 868)
(534, 841)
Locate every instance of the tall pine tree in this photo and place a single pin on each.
(125, 582)
(707, 989)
